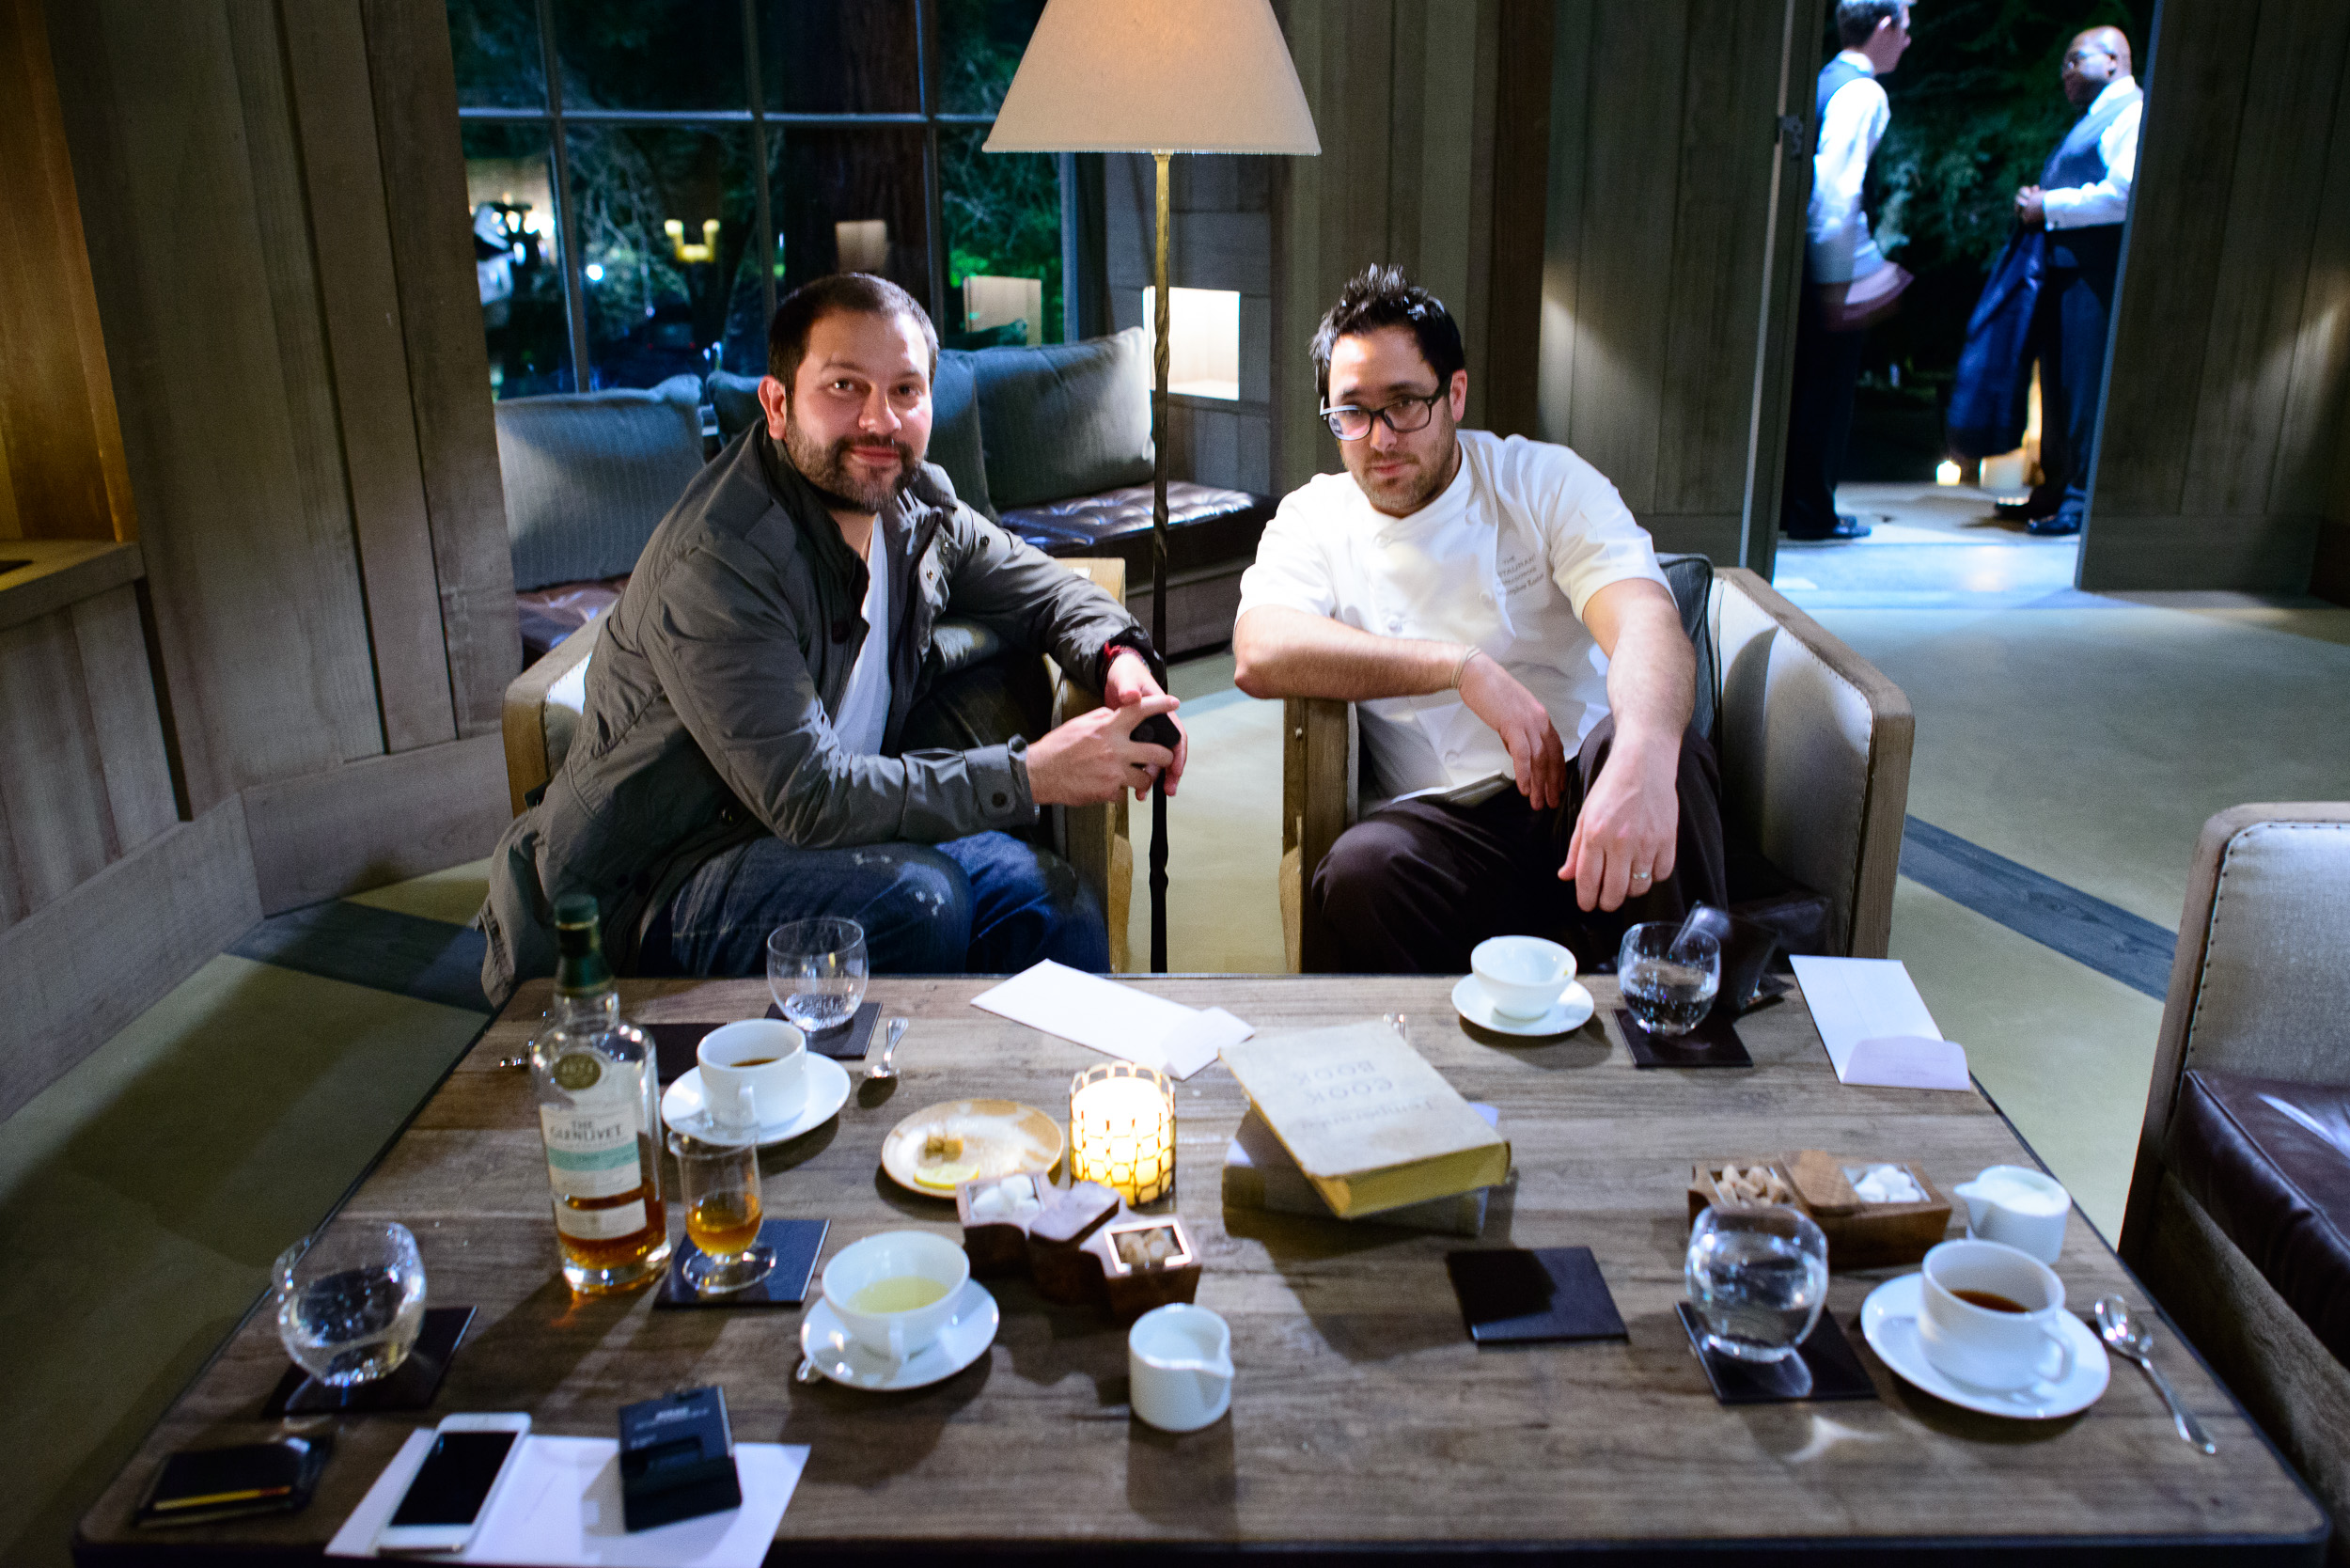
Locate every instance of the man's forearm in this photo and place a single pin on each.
(1279, 652)
(1651, 679)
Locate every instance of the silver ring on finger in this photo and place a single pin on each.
(1641, 876)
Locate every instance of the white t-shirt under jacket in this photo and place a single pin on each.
(1506, 559)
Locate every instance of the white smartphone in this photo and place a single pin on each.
(456, 1486)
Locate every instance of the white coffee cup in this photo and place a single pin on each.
(1178, 1367)
(2017, 1207)
(1986, 1345)
(1522, 976)
(896, 1255)
(754, 1074)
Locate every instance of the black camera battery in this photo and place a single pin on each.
(677, 1459)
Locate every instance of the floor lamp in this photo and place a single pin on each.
(1161, 77)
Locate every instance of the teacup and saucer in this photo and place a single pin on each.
(898, 1310)
(756, 1079)
(1521, 985)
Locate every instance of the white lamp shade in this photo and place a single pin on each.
(1155, 76)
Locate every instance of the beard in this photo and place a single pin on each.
(830, 469)
(1403, 493)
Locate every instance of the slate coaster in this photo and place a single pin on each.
(1714, 1043)
(412, 1386)
(674, 1044)
(1513, 1296)
(845, 1042)
(795, 1244)
(1824, 1366)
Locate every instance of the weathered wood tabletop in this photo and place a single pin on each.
(1363, 1415)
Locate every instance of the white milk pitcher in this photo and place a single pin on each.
(1179, 1360)
(2017, 1207)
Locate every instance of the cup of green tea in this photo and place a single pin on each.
(894, 1291)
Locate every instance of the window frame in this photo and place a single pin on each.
(554, 117)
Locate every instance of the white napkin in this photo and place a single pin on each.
(1875, 1026)
(1116, 1020)
(562, 1505)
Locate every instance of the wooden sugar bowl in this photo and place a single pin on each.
(1861, 1234)
(1082, 1244)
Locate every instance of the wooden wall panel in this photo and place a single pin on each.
(165, 174)
(120, 693)
(415, 88)
(1514, 281)
(89, 964)
(378, 821)
(2317, 400)
(375, 461)
(52, 778)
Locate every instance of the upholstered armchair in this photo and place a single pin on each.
(1814, 748)
(543, 704)
(2239, 1209)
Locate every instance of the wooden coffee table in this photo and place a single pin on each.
(1363, 1417)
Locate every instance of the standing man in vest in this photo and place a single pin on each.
(1838, 253)
(2083, 196)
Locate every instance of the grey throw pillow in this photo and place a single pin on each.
(1066, 419)
(954, 423)
(588, 475)
(736, 400)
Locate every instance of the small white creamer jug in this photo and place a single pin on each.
(1179, 1360)
(2017, 1207)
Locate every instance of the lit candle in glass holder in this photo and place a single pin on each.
(1121, 1130)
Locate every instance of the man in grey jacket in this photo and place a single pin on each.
(738, 762)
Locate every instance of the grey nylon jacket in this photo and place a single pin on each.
(710, 701)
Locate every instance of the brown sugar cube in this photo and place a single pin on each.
(1145, 1262)
(1063, 1271)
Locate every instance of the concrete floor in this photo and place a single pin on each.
(2084, 736)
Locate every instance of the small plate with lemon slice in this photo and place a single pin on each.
(940, 1147)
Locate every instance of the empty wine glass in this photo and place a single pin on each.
(1757, 1277)
(816, 970)
(351, 1301)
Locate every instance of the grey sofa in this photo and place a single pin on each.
(2239, 1209)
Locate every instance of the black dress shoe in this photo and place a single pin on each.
(1847, 526)
(2044, 501)
(2051, 527)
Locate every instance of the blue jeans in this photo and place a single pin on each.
(986, 904)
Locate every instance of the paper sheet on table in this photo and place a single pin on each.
(1876, 1026)
(562, 1505)
(1115, 1020)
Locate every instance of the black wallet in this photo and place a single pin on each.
(197, 1485)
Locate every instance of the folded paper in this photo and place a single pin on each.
(1875, 1026)
(1121, 1021)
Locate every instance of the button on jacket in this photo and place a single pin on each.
(712, 697)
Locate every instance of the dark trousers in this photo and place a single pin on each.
(1819, 422)
(2069, 332)
(1413, 886)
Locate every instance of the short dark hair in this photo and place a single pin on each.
(1381, 296)
(861, 293)
(1856, 19)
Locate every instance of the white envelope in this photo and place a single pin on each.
(1118, 1020)
(1875, 1026)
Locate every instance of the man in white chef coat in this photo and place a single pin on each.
(1482, 601)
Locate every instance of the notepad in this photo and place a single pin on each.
(1122, 1021)
(1875, 1026)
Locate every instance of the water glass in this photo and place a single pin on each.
(1757, 1277)
(1669, 986)
(351, 1302)
(817, 969)
(723, 1212)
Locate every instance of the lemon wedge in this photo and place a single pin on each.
(946, 1177)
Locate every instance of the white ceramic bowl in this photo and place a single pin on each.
(895, 1335)
(1522, 974)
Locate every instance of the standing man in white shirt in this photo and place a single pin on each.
(1482, 600)
(2083, 196)
(1838, 254)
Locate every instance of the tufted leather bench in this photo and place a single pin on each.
(1210, 538)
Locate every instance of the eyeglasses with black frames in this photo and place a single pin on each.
(1402, 417)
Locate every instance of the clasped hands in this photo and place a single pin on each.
(1626, 833)
(1089, 760)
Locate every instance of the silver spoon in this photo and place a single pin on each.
(2138, 1344)
(882, 1070)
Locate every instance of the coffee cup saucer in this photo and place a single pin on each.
(1888, 1320)
(1571, 1011)
(827, 1082)
(824, 1343)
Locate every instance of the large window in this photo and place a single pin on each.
(648, 175)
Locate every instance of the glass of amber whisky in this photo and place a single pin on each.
(720, 1180)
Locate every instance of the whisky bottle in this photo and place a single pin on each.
(600, 1114)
